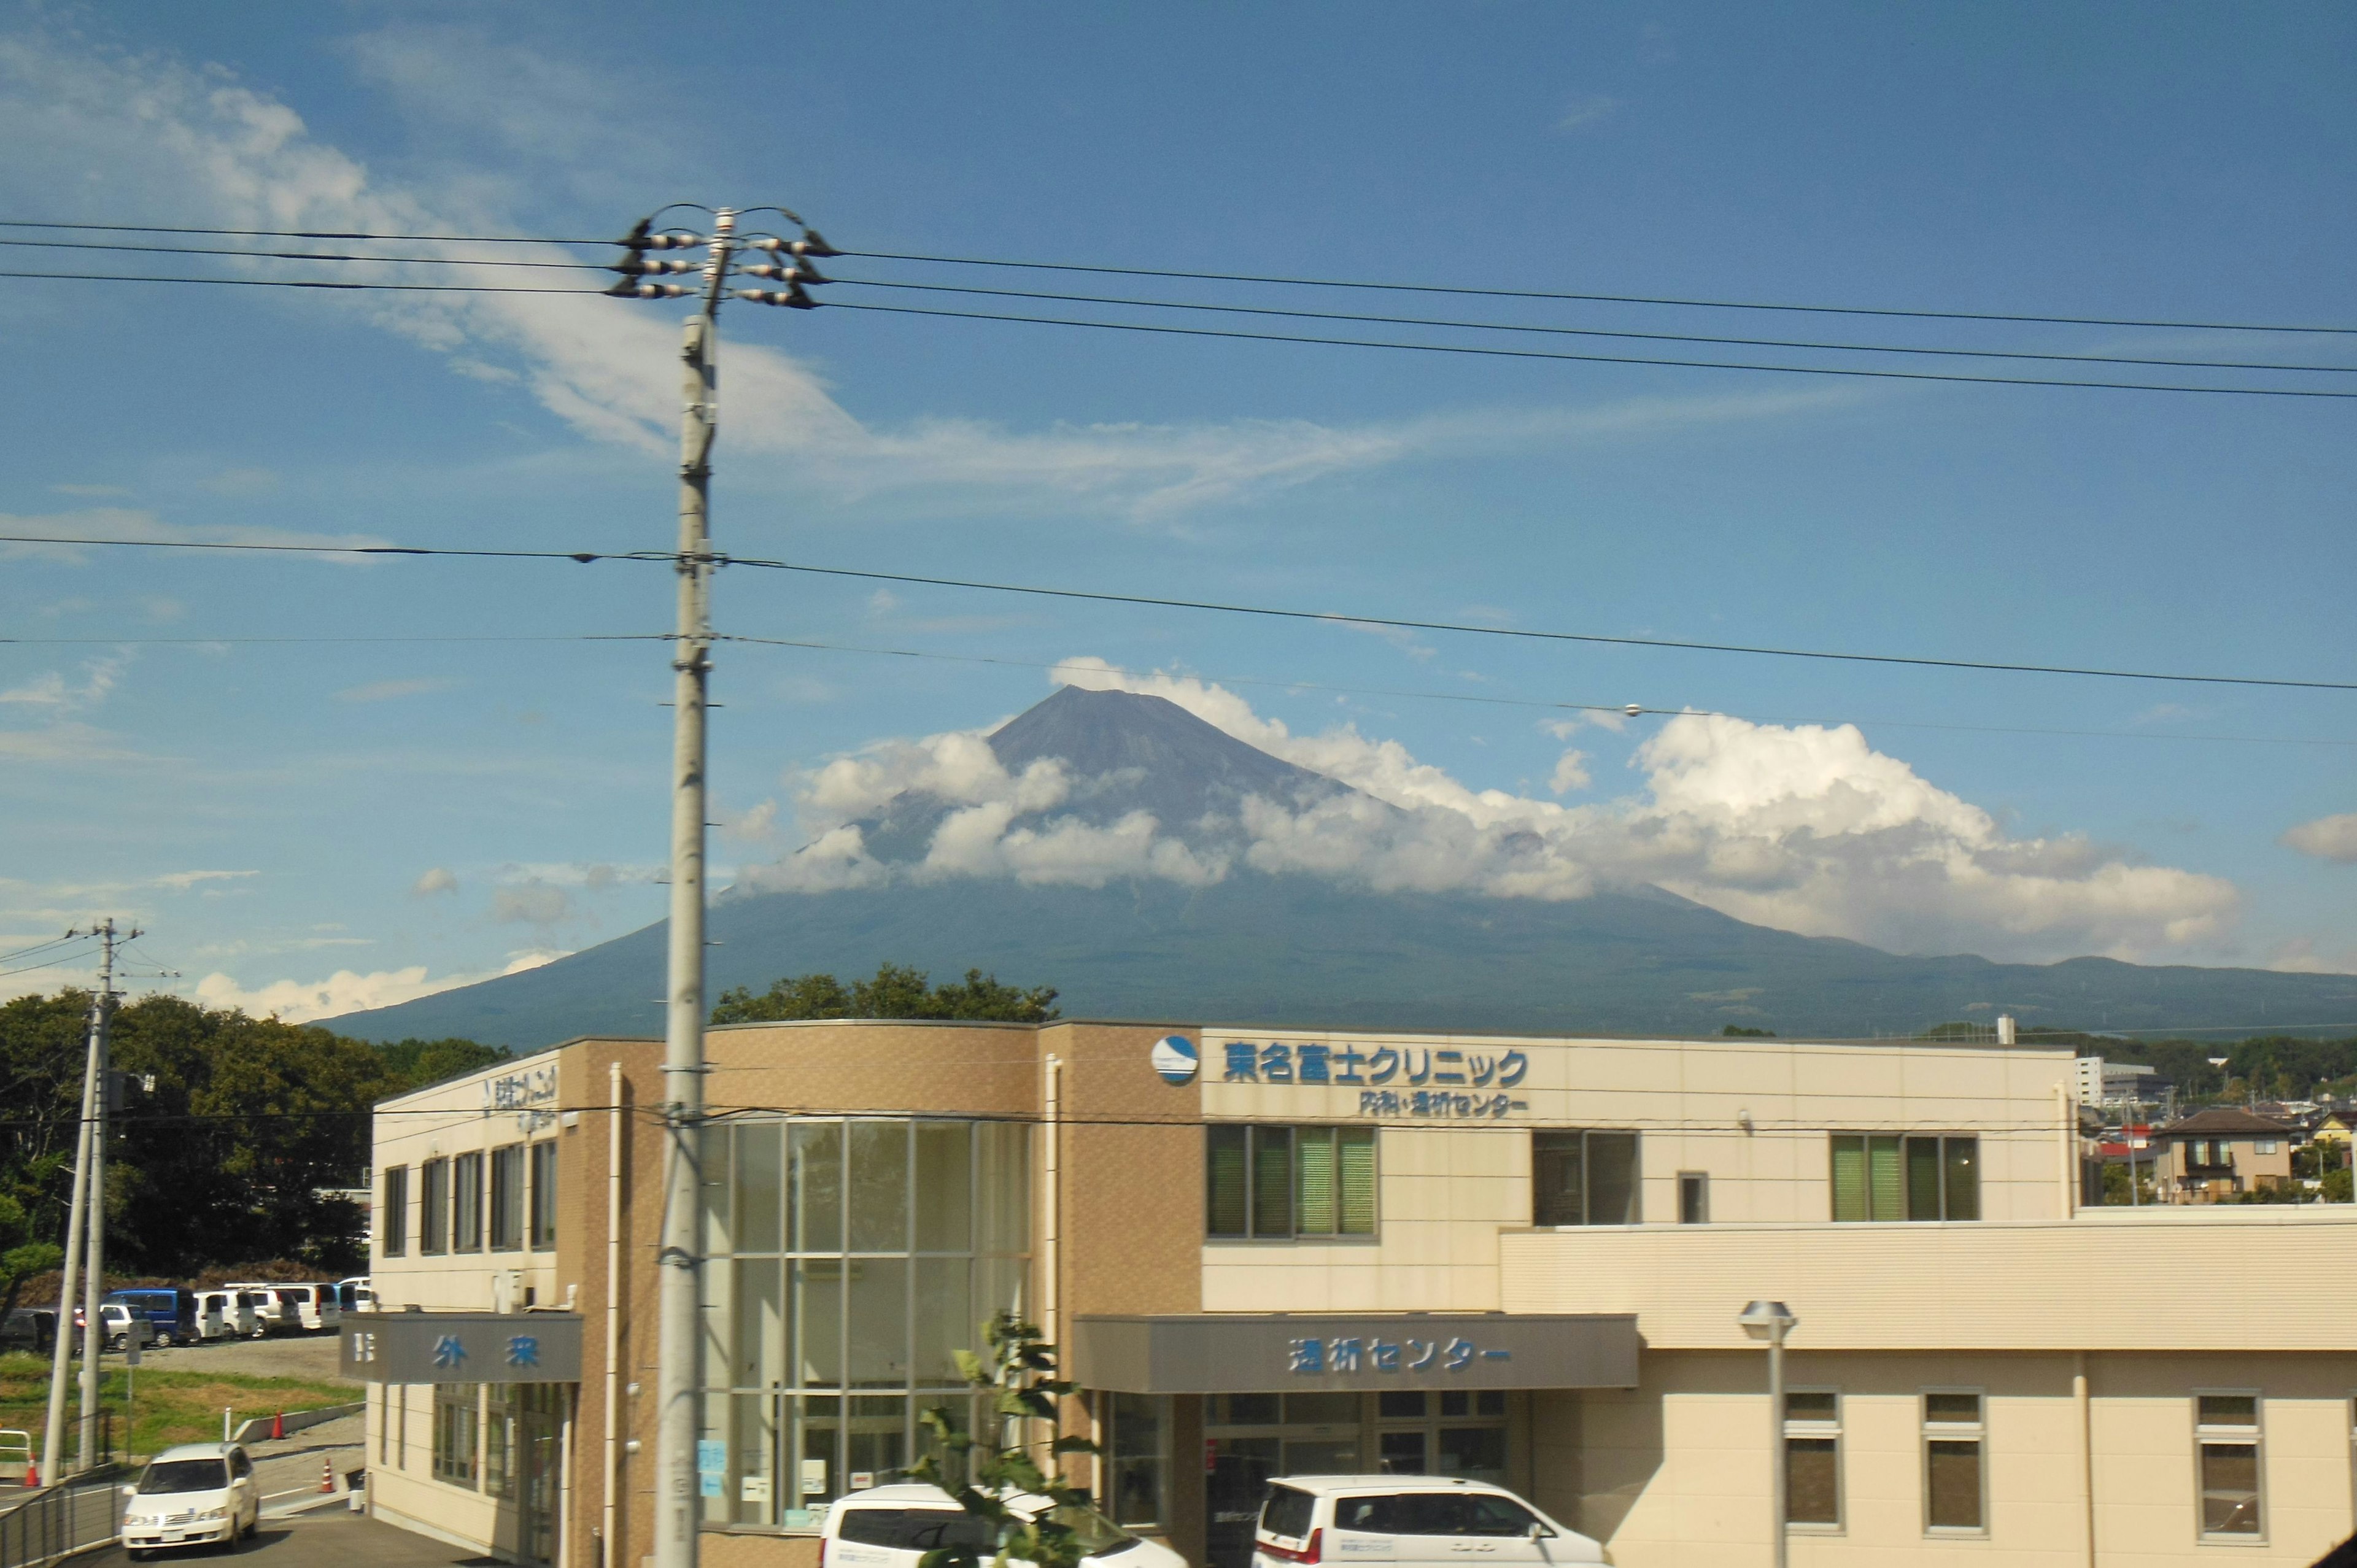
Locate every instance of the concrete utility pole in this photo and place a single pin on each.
(678, 1382)
(85, 1225)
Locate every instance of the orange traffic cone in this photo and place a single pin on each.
(32, 1474)
(327, 1475)
(278, 1426)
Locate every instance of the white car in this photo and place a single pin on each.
(1406, 1519)
(294, 1310)
(197, 1493)
(893, 1527)
(118, 1326)
(226, 1315)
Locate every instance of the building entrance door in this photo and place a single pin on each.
(540, 1416)
(1249, 1439)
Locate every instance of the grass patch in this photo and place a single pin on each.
(171, 1406)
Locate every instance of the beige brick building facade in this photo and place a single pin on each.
(1350, 1252)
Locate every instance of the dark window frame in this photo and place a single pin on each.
(434, 1208)
(1555, 1203)
(505, 1231)
(467, 1197)
(1242, 1159)
(1930, 1177)
(540, 1223)
(392, 1214)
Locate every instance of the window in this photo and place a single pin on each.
(499, 1439)
(543, 1195)
(1279, 1183)
(1883, 1175)
(2226, 1440)
(1134, 1463)
(434, 1206)
(455, 1406)
(392, 1227)
(466, 1203)
(1584, 1178)
(507, 1198)
(1813, 1458)
(2263, 1146)
(1954, 1497)
(1693, 1197)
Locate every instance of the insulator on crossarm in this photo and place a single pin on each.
(811, 243)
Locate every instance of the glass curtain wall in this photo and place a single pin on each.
(846, 1259)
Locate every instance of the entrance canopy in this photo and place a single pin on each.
(1204, 1353)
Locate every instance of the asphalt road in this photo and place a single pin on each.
(332, 1535)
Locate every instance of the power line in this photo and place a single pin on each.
(1229, 335)
(1456, 289)
(430, 637)
(1597, 331)
(2018, 317)
(1217, 606)
(1587, 358)
(253, 254)
(307, 283)
(297, 233)
(1625, 710)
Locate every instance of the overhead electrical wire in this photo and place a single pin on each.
(2022, 319)
(1212, 605)
(1465, 290)
(1363, 317)
(1596, 331)
(307, 283)
(1501, 353)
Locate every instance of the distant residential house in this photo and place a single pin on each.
(2213, 1155)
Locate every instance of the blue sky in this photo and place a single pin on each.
(315, 825)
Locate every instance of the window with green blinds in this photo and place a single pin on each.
(1277, 1182)
(1885, 1177)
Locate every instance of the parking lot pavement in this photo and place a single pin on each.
(331, 1535)
(289, 1469)
(279, 1356)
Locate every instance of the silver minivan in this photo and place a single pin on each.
(1420, 1521)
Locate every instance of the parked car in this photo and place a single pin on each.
(197, 1492)
(29, 1329)
(226, 1315)
(356, 1294)
(1406, 1519)
(118, 1326)
(893, 1527)
(295, 1308)
(171, 1310)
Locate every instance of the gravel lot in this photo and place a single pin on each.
(288, 1356)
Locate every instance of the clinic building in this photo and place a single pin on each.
(1274, 1252)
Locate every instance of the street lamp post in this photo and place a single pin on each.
(1770, 1321)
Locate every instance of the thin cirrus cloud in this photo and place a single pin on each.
(390, 691)
(170, 138)
(1803, 828)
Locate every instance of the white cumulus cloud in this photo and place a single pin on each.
(302, 1001)
(2327, 838)
(1803, 828)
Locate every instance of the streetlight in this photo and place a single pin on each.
(1770, 1321)
(678, 1481)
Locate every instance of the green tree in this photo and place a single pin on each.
(898, 991)
(1018, 1371)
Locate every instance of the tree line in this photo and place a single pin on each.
(233, 1157)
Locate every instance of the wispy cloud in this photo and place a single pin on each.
(1585, 109)
(168, 137)
(2327, 838)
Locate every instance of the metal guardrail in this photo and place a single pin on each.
(57, 1521)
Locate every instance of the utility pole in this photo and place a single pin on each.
(85, 1225)
(678, 1381)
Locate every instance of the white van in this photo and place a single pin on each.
(294, 1310)
(893, 1527)
(226, 1315)
(1407, 1519)
(195, 1492)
